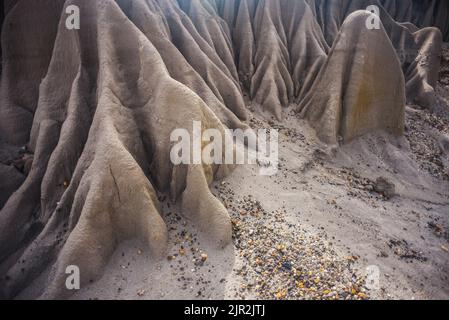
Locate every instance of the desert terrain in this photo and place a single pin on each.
(358, 208)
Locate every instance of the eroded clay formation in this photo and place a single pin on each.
(87, 114)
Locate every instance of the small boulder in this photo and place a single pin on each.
(385, 188)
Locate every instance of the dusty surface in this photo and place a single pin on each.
(86, 117)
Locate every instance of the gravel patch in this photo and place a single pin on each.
(281, 260)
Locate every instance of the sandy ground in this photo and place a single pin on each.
(314, 230)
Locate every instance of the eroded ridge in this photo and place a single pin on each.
(88, 113)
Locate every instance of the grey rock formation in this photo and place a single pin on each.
(95, 107)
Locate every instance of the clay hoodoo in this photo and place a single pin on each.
(360, 88)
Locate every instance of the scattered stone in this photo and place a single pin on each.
(182, 251)
(401, 248)
(385, 188)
